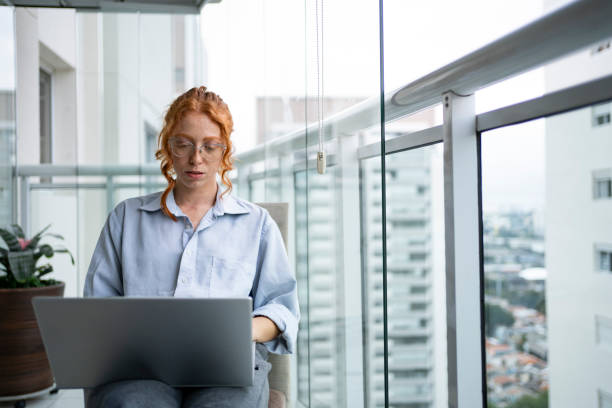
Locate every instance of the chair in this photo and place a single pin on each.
(280, 375)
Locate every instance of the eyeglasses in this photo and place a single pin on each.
(182, 148)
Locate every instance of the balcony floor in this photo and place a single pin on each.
(63, 399)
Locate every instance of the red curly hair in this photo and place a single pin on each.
(196, 100)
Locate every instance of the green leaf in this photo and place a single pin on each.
(10, 239)
(22, 264)
(36, 238)
(18, 231)
(4, 262)
(44, 269)
(58, 236)
(43, 250)
(65, 250)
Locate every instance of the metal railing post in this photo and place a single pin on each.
(110, 192)
(462, 236)
(25, 204)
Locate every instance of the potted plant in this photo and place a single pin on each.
(24, 368)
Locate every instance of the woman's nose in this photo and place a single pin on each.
(196, 156)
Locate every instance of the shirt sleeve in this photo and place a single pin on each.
(275, 289)
(104, 276)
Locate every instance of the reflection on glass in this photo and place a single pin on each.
(415, 268)
(547, 298)
(131, 67)
(514, 265)
(301, 273)
(324, 318)
(257, 190)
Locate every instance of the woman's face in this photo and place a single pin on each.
(196, 151)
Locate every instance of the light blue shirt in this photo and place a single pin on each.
(236, 251)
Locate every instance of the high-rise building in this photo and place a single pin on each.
(414, 328)
(579, 239)
(414, 324)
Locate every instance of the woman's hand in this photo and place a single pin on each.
(264, 329)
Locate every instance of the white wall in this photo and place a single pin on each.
(575, 223)
(27, 101)
(46, 38)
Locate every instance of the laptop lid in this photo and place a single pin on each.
(182, 342)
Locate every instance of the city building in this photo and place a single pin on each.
(579, 238)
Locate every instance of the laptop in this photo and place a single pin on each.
(182, 342)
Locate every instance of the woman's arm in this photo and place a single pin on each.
(275, 294)
(264, 329)
(104, 273)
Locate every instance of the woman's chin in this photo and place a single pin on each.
(199, 183)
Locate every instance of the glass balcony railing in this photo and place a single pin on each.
(447, 257)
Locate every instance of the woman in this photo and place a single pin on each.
(193, 240)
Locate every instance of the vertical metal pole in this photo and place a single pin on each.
(462, 235)
(347, 185)
(25, 205)
(14, 197)
(383, 192)
(110, 192)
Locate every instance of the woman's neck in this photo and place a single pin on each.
(187, 198)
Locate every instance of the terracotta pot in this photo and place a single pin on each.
(24, 367)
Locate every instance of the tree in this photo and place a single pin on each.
(527, 401)
(496, 316)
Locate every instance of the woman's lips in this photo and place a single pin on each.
(194, 174)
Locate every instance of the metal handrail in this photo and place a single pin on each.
(553, 36)
(150, 169)
(559, 33)
(24, 172)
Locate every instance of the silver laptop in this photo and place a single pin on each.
(182, 342)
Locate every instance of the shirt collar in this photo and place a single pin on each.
(223, 205)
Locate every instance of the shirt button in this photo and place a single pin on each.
(185, 280)
(188, 252)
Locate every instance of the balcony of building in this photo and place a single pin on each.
(456, 250)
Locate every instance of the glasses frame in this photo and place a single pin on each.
(200, 148)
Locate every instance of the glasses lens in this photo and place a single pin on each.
(182, 148)
(212, 151)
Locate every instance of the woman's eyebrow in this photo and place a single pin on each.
(214, 139)
(183, 135)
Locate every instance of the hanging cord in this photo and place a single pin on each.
(321, 162)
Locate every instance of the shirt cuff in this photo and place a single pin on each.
(285, 321)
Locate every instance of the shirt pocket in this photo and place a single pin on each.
(231, 278)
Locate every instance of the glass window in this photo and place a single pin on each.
(415, 270)
(301, 273)
(602, 183)
(515, 278)
(538, 223)
(605, 260)
(257, 190)
(601, 114)
(604, 188)
(46, 147)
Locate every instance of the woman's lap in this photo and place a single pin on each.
(151, 393)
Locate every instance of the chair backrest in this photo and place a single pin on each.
(280, 375)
